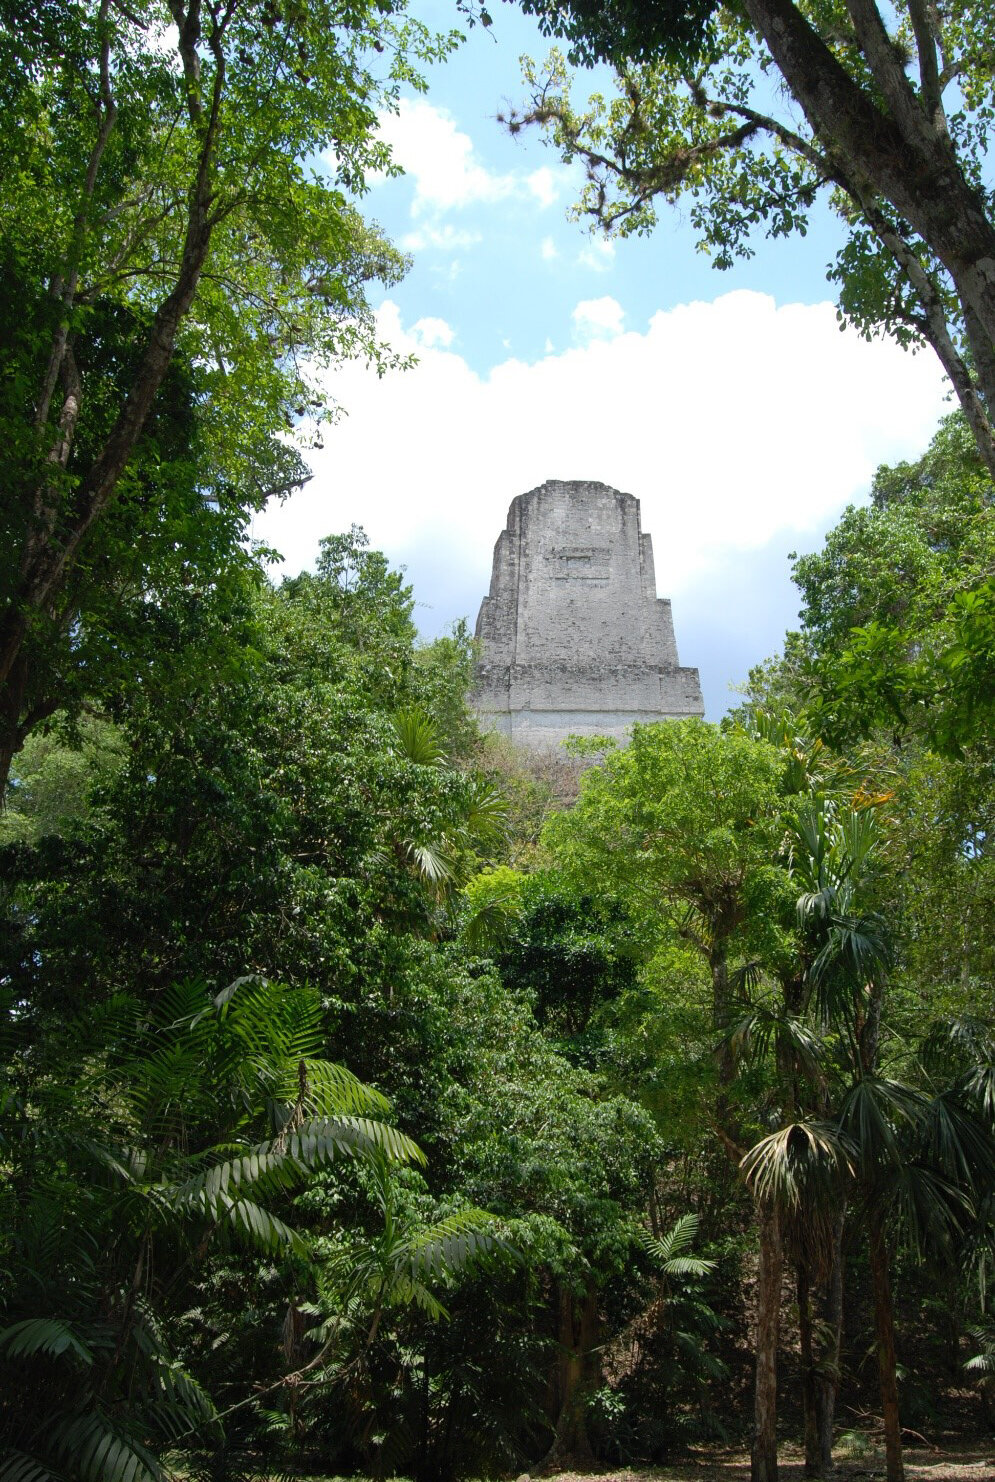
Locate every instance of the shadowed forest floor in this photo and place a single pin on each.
(955, 1463)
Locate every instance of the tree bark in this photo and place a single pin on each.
(718, 963)
(884, 1334)
(904, 156)
(52, 543)
(820, 1324)
(827, 1369)
(578, 1333)
(11, 709)
(810, 1426)
(763, 1460)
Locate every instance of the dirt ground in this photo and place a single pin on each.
(956, 1463)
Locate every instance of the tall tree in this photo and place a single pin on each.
(279, 821)
(894, 126)
(685, 824)
(180, 181)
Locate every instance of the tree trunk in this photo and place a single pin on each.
(578, 1333)
(52, 548)
(894, 144)
(763, 1461)
(884, 1334)
(813, 1460)
(718, 963)
(827, 1368)
(820, 1326)
(12, 731)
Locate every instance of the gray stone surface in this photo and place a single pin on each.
(575, 640)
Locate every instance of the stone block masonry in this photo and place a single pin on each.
(574, 639)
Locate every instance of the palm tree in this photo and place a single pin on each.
(911, 1160)
(470, 820)
(833, 855)
(799, 1172)
(798, 1176)
(363, 1278)
(183, 1129)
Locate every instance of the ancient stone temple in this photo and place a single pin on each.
(575, 640)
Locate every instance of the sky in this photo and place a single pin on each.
(730, 403)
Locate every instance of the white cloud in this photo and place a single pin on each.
(433, 332)
(743, 427)
(440, 159)
(447, 174)
(598, 318)
(547, 249)
(599, 254)
(444, 237)
(542, 184)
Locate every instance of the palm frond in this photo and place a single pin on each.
(801, 1166)
(432, 862)
(958, 1144)
(670, 1252)
(753, 1037)
(183, 1402)
(747, 977)
(870, 1115)
(18, 1466)
(281, 1163)
(99, 1452)
(262, 1229)
(857, 947)
(451, 1245)
(416, 738)
(407, 1290)
(322, 1088)
(961, 1049)
(486, 817)
(318, 1142)
(47, 1335)
(680, 1237)
(931, 1209)
(490, 925)
(858, 837)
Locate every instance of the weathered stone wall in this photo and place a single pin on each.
(575, 639)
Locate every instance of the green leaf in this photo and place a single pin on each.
(42, 1335)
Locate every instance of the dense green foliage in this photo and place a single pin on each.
(374, 1098)
(740, 986)
(182, 258)
(897, 609)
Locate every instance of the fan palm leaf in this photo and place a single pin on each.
(802, 1167)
